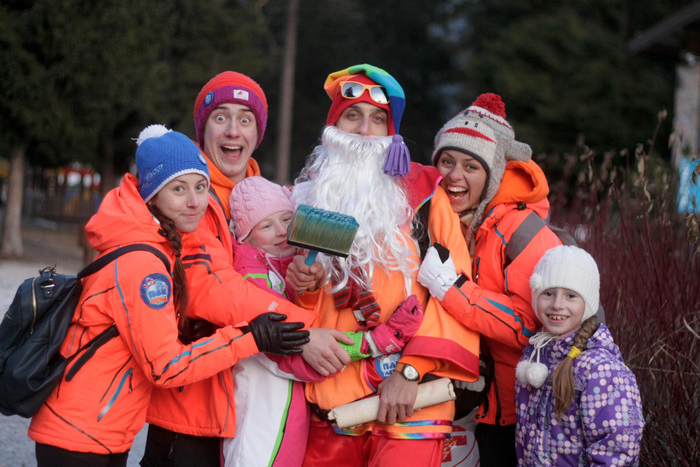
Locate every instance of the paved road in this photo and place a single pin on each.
(58, 245)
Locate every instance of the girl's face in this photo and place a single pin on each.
(270, 235)
(184, 200)
(560, 310)
(464, 179)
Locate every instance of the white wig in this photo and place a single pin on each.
(345, 175)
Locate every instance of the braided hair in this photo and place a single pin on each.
(563, 378)
(181, 291)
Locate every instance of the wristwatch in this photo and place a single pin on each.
(408, 372)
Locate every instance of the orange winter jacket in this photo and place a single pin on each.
(102, 408)
(221, 185)
(441, 347)
(220, 295)
(497, 303)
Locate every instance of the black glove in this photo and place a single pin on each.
(273, 336)
(196, 329)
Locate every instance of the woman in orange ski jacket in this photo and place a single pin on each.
(495, 188)
(93, 417)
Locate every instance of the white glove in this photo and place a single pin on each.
(435, 274)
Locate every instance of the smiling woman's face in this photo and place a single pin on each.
(464, 179)
(184, 200)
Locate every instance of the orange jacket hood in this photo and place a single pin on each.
(523, 182)
(123, 218)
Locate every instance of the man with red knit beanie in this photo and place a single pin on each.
(186, 425)
(230, 117)
(362, 168)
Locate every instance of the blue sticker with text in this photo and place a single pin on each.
(155, 290)
(386, 365)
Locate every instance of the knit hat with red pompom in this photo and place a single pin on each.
(234, 88)
(490, 111)
(252, 200)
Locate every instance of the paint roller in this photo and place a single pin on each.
(318, 230)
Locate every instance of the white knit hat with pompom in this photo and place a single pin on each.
(569, 267)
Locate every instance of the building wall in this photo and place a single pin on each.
(687, 108)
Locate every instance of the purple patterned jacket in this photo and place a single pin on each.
(604, 424)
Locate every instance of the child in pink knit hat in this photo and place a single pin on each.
(266, 403)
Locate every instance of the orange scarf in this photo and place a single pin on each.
(223, 185)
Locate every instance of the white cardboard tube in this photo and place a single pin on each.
(365, 410)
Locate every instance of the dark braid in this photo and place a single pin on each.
(181, 291)
(563, 378)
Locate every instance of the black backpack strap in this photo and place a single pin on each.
(111, 332)
(103, 261)
(218, 200)
(92, 345)
(522, 236)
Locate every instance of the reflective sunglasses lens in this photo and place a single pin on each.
(352, 90)
(379, 95)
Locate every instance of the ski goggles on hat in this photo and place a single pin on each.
(353, 90)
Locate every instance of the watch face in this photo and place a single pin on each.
(410, 373)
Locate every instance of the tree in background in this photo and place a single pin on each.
(335, 34)
(79, 79)
(563, 71)
(30, 113)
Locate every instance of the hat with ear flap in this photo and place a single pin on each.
(487, 110)
(398, 160)
(568, 267)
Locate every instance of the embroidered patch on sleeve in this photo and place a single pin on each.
(155, 290)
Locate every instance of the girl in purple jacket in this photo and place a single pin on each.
(577, 403)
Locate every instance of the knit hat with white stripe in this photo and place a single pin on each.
(489, 111)
(467, 133)
(163, 155)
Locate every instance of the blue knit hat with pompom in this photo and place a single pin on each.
(163, 155)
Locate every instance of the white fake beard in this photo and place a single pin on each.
(345, 175)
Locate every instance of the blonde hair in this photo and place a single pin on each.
(563, 378)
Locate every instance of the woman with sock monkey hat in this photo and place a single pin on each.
(494, 187)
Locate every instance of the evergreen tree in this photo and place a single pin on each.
(563, 70)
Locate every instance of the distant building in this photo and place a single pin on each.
(678, 37)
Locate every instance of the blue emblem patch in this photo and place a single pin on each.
(386, 365)
(208, 98)
(155, 290)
